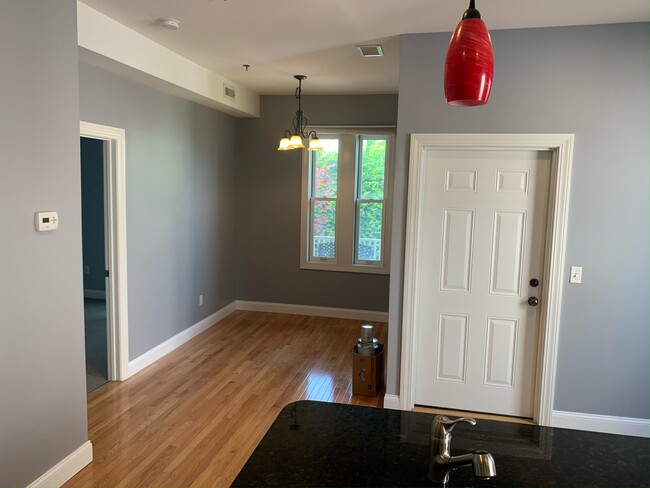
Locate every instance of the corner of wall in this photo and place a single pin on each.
(66, 468)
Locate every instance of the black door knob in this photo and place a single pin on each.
(533, 301)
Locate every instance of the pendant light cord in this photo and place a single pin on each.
(299, 93)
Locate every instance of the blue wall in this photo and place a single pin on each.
(268, 207)
(42, 371)
(180, 188)
(591, 81)
(92, 213)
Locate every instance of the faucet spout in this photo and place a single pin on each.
(441, 462)
(483, 464)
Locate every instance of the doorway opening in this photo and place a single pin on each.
(93, 223)
(104, 243)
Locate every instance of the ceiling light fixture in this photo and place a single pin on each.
(294, 140)
(469, 66)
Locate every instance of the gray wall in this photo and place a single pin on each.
(591, 81)
(268, 206)
(92, 213)
(179, 199)
(42, 371)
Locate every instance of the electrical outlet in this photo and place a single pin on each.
(576, 274)
(200, 300)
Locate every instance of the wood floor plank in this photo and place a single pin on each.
(194, 417)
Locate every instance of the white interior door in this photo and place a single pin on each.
(482, 241)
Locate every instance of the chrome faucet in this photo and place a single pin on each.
(441, 462)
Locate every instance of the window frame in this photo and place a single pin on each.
(348, 203)
(358, 200)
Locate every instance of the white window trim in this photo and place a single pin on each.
(344, 261)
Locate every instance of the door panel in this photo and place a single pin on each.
(482, 241)
(452, 347)
(457, 249)
(500, 352)
(507, 252)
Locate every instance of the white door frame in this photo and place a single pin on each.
(115, 171)
(561, 145)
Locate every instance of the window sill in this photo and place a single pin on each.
(346, 268)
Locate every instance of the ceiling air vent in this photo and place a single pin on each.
(229, 92)
(373, 51)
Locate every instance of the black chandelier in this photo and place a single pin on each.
(297, 138)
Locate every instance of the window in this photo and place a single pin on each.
(345, 202)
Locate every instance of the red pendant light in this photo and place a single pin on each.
(469, 66)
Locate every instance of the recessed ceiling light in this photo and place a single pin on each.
(169, 23)
(370, 51)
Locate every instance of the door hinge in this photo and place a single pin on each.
(106, 273)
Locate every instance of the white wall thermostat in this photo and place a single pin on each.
(46, 221)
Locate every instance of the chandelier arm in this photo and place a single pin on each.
(296, 122)
(303, 128)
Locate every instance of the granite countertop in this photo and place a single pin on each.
(327, 444)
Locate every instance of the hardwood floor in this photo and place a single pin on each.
(194, 417)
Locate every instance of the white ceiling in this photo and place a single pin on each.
(280, 38)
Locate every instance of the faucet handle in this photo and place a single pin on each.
(443, 425)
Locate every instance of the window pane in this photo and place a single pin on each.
(324, 229)
(373, 169)
(325, 169)
(370, 226)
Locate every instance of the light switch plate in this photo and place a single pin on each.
(576, 274)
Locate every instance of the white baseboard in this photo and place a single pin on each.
(153, 355)
(601, 423)
(391, 402)
(66, 468)
(96, 294)
(578, 421)
(340, 313)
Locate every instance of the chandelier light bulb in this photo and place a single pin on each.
(315, 144)
(296, 142)
(284, 144)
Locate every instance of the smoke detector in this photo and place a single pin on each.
(169, 23)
